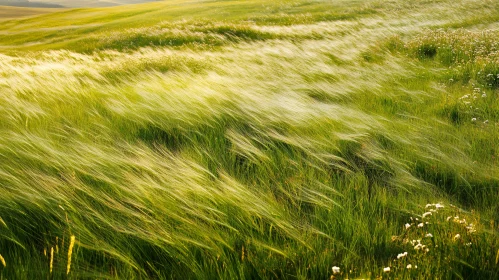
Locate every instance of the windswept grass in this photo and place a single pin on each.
(231, 140)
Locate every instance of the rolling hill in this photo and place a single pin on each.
(70, 3)
(10, 12)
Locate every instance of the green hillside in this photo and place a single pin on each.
(251, 139)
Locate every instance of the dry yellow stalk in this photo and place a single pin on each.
(51, 259)
(70, 252)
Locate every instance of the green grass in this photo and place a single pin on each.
(251, 140)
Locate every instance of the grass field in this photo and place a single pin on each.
(251, 140)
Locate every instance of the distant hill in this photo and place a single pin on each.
(69, 3)
(26, 3)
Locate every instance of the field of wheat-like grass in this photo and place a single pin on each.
(251, 140)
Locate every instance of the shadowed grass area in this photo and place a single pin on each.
(250, 140)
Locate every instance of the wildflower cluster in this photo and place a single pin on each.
(440, 234)
(470, 55)
(471, 104)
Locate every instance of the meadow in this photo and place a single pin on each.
(251, 139)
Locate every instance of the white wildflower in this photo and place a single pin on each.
(402, 255)
(386, 269)
(420, 225)
(336, 270)
(439, 206)
(473, 119)
(457, 236)
(484, 95)
(429, 235)
(407, 226)
(409, 266)
(426, 214)
(471, 228)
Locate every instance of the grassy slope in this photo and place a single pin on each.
(246, 139)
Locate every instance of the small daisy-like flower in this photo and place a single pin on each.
(471, 228)
(439, 206)
(420, 225)
(409, 266)
(448, 218)
(484, 95)
(402, 255)
(429, 235)
(419, 247)
(473, 119)
(336, 270)
(407, 226)
(386, 269)
(426, 214)
(457, 236)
